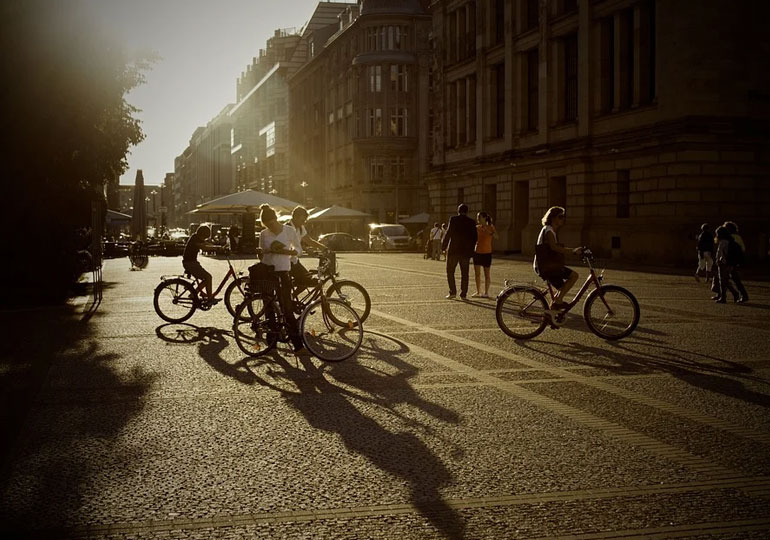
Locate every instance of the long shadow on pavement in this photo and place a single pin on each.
(402, 454)
(59, 416)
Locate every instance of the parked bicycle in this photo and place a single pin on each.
(330, 329)
(352, 293)
(177, 297)
(137, 256)
(611, 312)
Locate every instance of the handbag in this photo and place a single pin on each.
(262, 278)
(548, 260)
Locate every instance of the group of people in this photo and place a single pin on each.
(281, 246)
(465, 239)
(720, 255)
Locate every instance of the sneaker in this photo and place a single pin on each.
(720, 301)
(552, 316)
(450, 296)
(742, 300)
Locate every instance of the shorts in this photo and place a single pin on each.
(559, 277)
(195, 269)
(482, 259)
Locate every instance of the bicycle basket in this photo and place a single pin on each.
(327, 264)
(262, 279)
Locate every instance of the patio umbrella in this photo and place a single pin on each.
(337, 213)
(243, 202)
(113, 216)
(417, 218)
(139, 217)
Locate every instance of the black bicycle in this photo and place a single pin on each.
(330, 329)
(351, 293)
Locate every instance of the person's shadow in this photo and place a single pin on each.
(400, 454)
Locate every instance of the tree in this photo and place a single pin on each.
(67, 130)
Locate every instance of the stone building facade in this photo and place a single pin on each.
(259, 138)
(643, 118)
(358, 115)
(204, 170)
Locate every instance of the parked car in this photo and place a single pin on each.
(340, 241)
(384, 236)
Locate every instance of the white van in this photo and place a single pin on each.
(384, 236)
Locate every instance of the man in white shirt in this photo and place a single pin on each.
(435, 241)
(299, 274)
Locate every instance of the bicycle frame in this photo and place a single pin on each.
(201, 285)
(592, 279)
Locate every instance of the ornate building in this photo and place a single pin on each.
(358, 115)
(627, 112)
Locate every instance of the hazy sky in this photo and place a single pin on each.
(204, 46)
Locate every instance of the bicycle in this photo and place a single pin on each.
(611, 312)
(349, 292)
(137, 256)
(177, 297)
(330, 329)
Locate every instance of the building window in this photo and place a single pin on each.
(531, 15)
(398, 122)
(451, 115)
(374, 123)
(532, 89)
(570, 78)
(375, 78)
(499, 21)
(398, 170)
(398, 78)
(623, 189)
(607, 39)
(497, 114)
(376, 169)
(371, 38)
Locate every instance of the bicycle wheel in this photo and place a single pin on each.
(354, 295)
(611, 312)
(235, 294)
(175, 300)
(324, 337)
(520, 312)
(255, 336)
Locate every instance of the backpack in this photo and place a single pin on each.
(734, 253)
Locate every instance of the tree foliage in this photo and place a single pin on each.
(67, 129)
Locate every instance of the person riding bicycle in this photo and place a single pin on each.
(190, 259)
(549, 256)
(278, 245)
(299, 274)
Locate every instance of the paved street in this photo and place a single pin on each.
(441, 426)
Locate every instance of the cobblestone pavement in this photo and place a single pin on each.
(441, 426)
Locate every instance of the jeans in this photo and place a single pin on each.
(451, 264)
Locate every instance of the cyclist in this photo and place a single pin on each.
(549, 256)
(277, 242)
(299, 274)
(190, 259)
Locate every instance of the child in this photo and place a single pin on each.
(705, 250)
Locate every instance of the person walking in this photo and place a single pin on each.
(482, 255)
(459, 242)
(723, 259)
(705, 249)
(435, 241)
(735, 258)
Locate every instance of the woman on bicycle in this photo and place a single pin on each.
(277, 244)
(549, 256)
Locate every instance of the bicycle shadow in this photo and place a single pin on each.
(211, 342)
(347, 390)
(695, 369)
(680, 364)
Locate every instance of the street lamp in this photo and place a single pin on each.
(303, 185)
